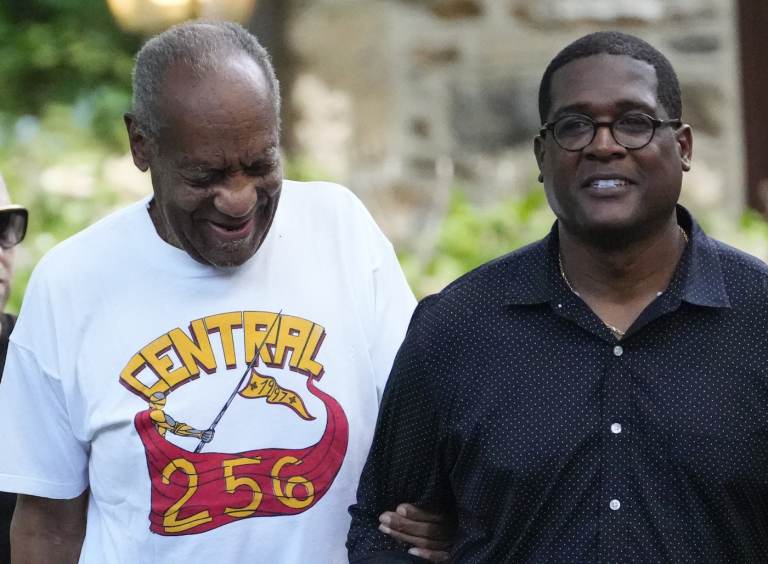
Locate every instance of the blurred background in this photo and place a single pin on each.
(425, 108)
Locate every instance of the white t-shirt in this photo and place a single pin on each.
(126, 349)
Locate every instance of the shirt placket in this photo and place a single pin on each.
(616, 501)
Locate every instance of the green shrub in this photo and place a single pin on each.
(472, 235)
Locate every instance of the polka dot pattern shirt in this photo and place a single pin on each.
(513, 408)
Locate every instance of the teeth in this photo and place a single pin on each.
(610, 183)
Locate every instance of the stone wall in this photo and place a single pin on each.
(402, 99)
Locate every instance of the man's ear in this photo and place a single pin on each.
(539, 151)
(684, 138)
(140, 145)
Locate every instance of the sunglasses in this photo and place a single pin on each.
(13, 225)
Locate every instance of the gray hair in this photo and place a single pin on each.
(199, 45)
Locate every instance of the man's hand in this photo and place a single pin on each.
(48, 530)
(207, 435)
(430, 534)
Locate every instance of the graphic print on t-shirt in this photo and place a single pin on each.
(198, 489)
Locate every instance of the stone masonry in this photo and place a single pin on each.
(404, 99)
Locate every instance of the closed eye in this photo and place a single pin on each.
(203, 180)
(259, 169)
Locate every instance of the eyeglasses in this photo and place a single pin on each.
(632, 131)
(13, 225)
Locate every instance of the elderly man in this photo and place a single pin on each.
(601, 395)
(262, 313)
(13, 226)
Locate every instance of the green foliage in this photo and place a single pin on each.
(65, 73)
(753, 223)
(303, 170)
(472, 235)
(62, 172)
(65, 51)
(64, 85)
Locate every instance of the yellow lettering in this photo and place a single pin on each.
(224, 324)
(128, 376)
(171, 521)
(161, 364)
(233, 482)
(291, 340)
(287, 498)
(307, 364)
(294, 334)
(255, 326)
(195, 352)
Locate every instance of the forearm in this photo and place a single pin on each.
(380, 491)
(48, 530)
(405, 462)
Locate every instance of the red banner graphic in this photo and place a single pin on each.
(196, 492)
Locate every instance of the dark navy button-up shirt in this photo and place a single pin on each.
(512, 407)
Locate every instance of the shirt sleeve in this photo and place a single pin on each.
(394, 305)
(41, 455)
(405, 463)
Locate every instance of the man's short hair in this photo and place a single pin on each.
(199, 45)
(616, 43)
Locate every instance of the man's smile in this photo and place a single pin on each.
(232, 230)
(605, 185)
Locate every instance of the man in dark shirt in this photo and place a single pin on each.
(13, 226)
(601, 395)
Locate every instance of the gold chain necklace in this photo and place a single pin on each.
(618, 333)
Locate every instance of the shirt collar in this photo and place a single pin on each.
(698, 278)
(536, 277)
(700, 272)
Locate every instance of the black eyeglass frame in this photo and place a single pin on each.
(14, 209)
(657, 123)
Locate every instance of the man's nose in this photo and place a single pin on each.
(604, 144)
(237, 196)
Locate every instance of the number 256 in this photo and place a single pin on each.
(171, 521)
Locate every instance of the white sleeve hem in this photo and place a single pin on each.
(41, 488)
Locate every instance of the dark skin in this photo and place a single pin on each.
(215, 166)
(43, 527)
(217, 176)
(619, 246)
(430, 534)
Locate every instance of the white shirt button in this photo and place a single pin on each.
(615, 504)
(616, 428)
(618, 350)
